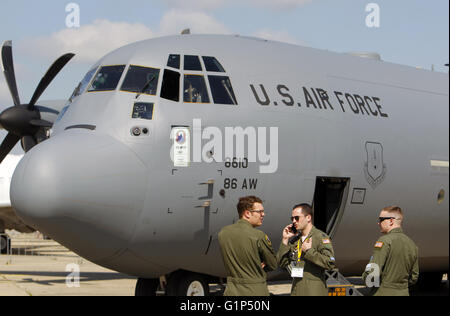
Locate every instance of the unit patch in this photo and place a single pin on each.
(268, 241)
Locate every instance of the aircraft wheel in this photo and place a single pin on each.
(187, 284)
(5, 244)
(146, 287)
(2, 245)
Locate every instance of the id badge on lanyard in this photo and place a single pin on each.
(296, 270)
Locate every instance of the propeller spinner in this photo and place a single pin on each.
(23, 121)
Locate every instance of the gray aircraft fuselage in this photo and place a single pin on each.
(119, 200)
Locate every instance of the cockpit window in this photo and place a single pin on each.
(222, 90)
(195, 89)
(170, 89)
(212, 64)
(192, 63)
(107, 78)
(141, 80)
(195, 86)
(83, 84)
(174, 61)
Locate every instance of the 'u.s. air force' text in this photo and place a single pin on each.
(321, 99)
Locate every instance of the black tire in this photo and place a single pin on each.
(146, 287)
(5, 244)
(187, 284)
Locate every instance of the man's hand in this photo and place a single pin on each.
(307, 245)
(287, 234)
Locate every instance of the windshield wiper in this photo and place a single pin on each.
(224, 84)
(146, 86)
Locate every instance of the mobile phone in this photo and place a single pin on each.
(293, 229)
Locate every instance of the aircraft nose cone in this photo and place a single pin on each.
(84, 190)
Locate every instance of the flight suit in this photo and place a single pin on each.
(315, 262)
(243, 249)
(397, 257)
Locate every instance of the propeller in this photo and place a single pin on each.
(23, 121)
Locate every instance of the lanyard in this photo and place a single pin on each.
(299, 250)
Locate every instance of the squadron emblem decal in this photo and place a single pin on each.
(181, 137)
(374, 168)
(180, 152)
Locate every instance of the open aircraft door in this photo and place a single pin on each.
(330, 198)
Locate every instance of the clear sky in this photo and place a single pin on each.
(410, 32)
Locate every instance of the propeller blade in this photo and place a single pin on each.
(8, 70)
(8, 144)
(48, 77)
(28, 142)
(41, 123)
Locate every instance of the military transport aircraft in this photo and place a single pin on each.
(147, 160)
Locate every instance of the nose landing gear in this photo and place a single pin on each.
(146, 287)
(179, 283)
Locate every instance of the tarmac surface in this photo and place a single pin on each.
(38, 267)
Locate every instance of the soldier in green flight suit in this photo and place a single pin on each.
(247, 252)
(308, 256)
(395, 257)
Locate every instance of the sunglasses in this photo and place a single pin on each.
(381, 219)
(295, 217)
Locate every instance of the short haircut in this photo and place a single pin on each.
(394, 210)
(306, 209)
(246, 203)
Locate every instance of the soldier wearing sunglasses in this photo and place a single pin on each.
(308, 256)
(394, 266)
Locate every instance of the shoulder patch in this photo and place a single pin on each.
(379, 244)
(268, 241)
(326, 241)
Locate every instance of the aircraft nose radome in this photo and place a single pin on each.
(83, 190)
